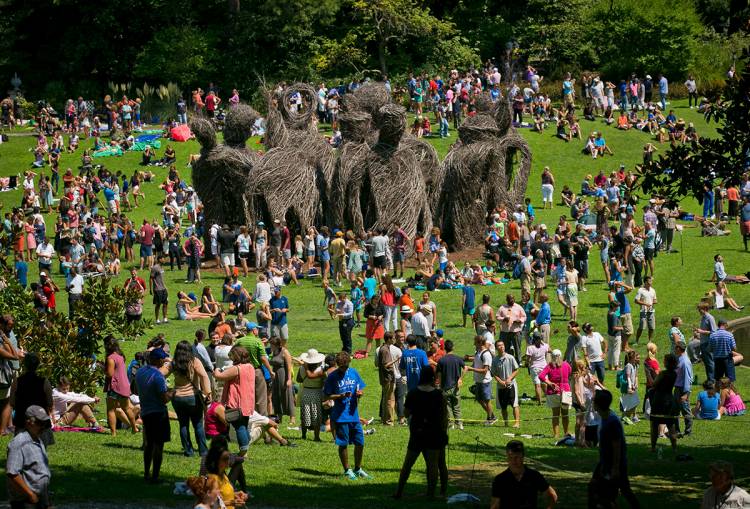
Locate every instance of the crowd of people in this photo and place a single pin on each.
(236, 381)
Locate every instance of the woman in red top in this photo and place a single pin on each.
(651, 365)
(559, 397)
(117, 387)
(389, 300)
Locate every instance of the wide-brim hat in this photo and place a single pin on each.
(312, 356)
(406, 309)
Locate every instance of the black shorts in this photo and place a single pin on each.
(161, 297)
(244, 255)
(156, 429)
(507, 397)
(378, 262)
(649, 253)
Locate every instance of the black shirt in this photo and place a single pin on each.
(226, 241)
(517, 494)
(427, 424)
(451, 368)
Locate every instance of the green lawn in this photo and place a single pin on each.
(99, 467)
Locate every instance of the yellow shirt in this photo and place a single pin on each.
(226, 489)
(337, 247)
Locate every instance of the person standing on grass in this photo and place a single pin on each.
(595, 347)
(611, 473)
(512, 318)
(193, 250)
(345, 387)
(279, 308)
(345, 314)
(646, 298)
(428, 434)
(481, 364)
(154, 396)
(27, 466)
(682, 386)
(468, 302)
(519, 486)
(723, 345)
(504, 370)
(626, 319)
(706, 327)
(450, 369)
(158, 289)
(146, 235)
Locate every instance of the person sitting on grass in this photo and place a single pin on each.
(68, 406)
(731, 401)
(539, 123)
(622, 121)
(721, 299)
(590, 147)
(708, 405)
(188, 309)
(561, 131)
(601, 145)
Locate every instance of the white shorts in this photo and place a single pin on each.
(547, 192)
(227, 259)
(255, 424)
(534, 374)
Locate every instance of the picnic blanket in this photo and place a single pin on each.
(140, 146)
(148, 137)
(108, 152)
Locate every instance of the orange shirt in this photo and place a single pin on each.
(733, 194)
(513, 233)
(222, 329)
(419, 244)
(405, 300)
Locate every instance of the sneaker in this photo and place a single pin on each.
(166, 320)
(289, 444)
(460, 426)
(363, 475)
(636, 420)
(158, 322)
(350, 475)
(627, 421)
(369, 431)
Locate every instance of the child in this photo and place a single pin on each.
(731, 401)
(358, 300)
(206, 491)
(329, 299)
(69, 405)
(443, 255)
(434, 243)
(530, 210)
(708, 404)
(419, 247)
(299, 247)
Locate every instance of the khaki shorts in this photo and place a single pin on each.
(627, 324)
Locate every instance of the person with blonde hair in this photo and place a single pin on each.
(206, 491)
(585, 384)
(559, 397)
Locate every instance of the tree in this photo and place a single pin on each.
(179, 54)
(685, 168)
(388, 20)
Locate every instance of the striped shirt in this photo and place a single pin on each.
(722, 343)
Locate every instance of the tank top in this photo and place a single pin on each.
(213, 425)
(240, 391)
(388, 298)
(119, 381)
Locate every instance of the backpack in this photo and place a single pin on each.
(518, 269)
(621, 382)
(88, 235)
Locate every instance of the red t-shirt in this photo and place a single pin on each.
(50, 294)
(147, 235)
(211, 103)
(130, 283)
(733, 194)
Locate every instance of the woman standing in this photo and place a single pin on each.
(629, 399)
(426, 409)
(559, 397)
(192, 391)
(238, 394)
(117, 386)
(261, 246)
(571, 290)
(263, 317)
(389, 300)
(244, 242)
(312, 377)
(664, 408)
(309, 243)
(539, 269)
(374, 330)
(282, 394)
(585, 384)
(548, 187)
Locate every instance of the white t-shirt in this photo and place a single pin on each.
(45, 251)
(648, 297)
(483, 359)
(262, 291)
(76, 285)
(396, 354)
(419, 325)
(592, 345)
(379, 245)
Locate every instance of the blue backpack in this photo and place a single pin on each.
(518, 269)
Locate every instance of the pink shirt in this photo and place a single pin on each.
(119, 381)
(516, 315)
(558, 375)
(239, 392)
(213, 425)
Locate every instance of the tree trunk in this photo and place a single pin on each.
(381, 56)
(234, 6)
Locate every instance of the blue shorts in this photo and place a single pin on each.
(147, 250)
(484, 392)
(349, 433)
(399, 256)
(469, 311)
(443, 265)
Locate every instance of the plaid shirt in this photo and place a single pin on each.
(28, 458)
(722, 343)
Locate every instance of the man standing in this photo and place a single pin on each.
(595, 347)
(387, 358)
(646, 298)
(412, 362)
(519, 485)
(379, 253)
(400, 240)
(706, 327)
(481, 364)
(722, 346)
(663, 91)
(74, 287)
(193, 250)
(337, 248)
(504, 370)
(158, 289)
(27, 467)
(525, 270)
(344, 387)
(258, 358)
(543, 319)
(449, 370)
(154, 395)
(611, 473)
(512, 317)
(286, 244)
(279, 308)
(345, 314)
(683, 385)
(468, 303)
(420, 328)
(146, 234)
(626, 320)
(44, 253)
(226, 239)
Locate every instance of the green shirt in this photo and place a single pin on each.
(254, 347)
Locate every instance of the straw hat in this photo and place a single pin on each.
(312, 356)
(406, 309)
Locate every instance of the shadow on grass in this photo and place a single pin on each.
(116, 445)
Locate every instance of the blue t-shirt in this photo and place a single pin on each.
(370, 284)
(544, 316)
(344, 409)
(278, 317)
(709, 405)
(610, 430)
(22, 272)
(468, 291)
(412, 362)
(109, 195)
(151, 385)
(355, 294)
(567, 87)
(622, 298)
(325, 255)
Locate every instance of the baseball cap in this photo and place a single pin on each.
(252, 326)
(158, 353)
(42, 274)
(439, 333)
(36, 412)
